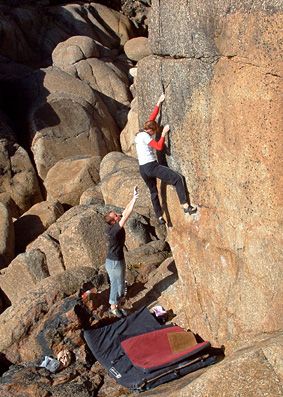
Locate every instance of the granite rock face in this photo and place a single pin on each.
(23, 273)
(28, 328)
(83, 240)
(104, 69)
(35, 221)
(18, 178)
(7, 236)
(76, 239)
(69, 111)
(70, 177)
(128, 134)
(119, 174)
(65, 84)
(137, 48)
(219, 67)
(254, 371)
(47, 25)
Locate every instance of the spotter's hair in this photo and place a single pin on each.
(108, 219)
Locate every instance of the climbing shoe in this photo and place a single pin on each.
(124, 312)
(161, 221)
(190, 210)
(116, 312)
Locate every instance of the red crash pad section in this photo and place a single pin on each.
(155, 348)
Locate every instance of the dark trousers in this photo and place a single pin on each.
(153, 170)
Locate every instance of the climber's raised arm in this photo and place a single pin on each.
(159, 145)
(155, 111)
(129, 208)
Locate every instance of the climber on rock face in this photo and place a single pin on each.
(115, 261)
(150, 169)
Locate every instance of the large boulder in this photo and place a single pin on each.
(35, 221)
(76, 239)
(17, 175)
(70, 177)
(111, 82)
(119, 174)
(71, 121)
(23, 273)
(79, 56)
(254, 371)
(51, 249)
(82, 239)
(7, 237)
(224, 127)
(128, 134)
(21, 325)
(47, 25)
(146, 258)
(74, 49)
(79, 234)
(137, 48)
(110, 24)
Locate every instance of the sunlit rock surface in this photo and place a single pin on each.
(222, 102)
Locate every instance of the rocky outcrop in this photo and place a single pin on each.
(51, 249)
(224, 124)
(35, 221)
(27, 329)
(129, 132)
(78, 238)
(22, 274)
(237, 375)
(51, 318)
(103, 69)
(45, 27)
(17, 175)
(83, 240)
(119, 174)
(70, 177)
(137, 48)
(73, 121)
(77, 106)
(146, 258)
(7, 237)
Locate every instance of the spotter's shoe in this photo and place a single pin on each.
(124, 312)
(116, 312)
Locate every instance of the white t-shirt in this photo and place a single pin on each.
(145, 153)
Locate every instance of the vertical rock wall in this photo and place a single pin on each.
(220, 67)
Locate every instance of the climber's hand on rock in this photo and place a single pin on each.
(161, 99)
(136, 193)
(165, 130)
